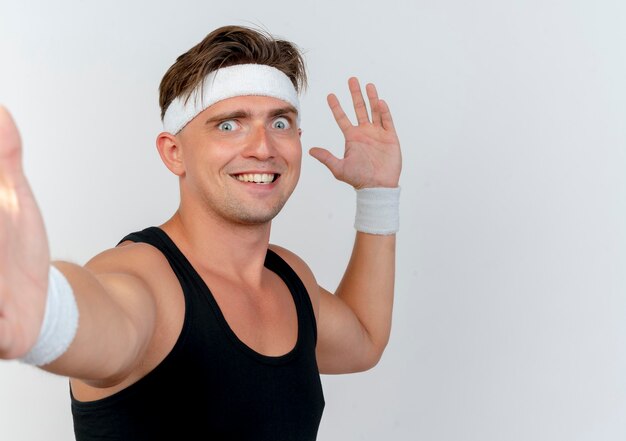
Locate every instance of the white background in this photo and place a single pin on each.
(510, 314)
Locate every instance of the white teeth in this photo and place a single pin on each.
(257, 178)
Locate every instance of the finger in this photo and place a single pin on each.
(385, 116)
(357, 100)
(10, 144)
(372, 96)
(326, 158)
(342, 119)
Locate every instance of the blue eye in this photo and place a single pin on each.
(227, 126)
(281, 123)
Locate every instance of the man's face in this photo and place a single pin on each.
(242, 158)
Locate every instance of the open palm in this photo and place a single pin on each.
(24, 254)
(372, 156)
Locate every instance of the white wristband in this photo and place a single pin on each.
(378, 210)
(59, 324)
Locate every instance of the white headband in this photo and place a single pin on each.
(228, 82)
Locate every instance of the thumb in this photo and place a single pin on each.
(10, 143)
(326, 158)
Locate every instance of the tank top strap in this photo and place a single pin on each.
(151, 236)
(183, 270)
(279, 266)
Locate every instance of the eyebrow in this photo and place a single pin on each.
(245, 114)
(283, 111)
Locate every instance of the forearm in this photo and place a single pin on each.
(110, 333)
(367, 286)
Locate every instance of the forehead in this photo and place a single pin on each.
(249, 104)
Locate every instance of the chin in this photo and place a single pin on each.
(256, 217)
(252, 212)
(254, 220)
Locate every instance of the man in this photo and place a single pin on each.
(199, 327)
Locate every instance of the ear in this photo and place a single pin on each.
(299, 132)
(171, 152)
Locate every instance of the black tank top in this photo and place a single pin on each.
(212, 386)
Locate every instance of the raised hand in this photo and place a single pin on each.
(372, 156)
(24, 254)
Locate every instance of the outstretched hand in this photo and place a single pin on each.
(24, 254)
(372, 156)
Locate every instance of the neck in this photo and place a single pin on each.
(235, 251)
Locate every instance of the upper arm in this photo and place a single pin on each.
(343, 344)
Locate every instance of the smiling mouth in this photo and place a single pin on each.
(257, 178)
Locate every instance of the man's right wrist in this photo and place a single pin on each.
(60, 322)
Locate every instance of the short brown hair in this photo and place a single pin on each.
(228, 46)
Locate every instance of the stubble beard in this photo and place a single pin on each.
(238, 211)
(248, 215)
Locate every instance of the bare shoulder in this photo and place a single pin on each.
(296, 262)
(302, 269)
(134, 259)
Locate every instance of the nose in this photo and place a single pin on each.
(259, 144)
